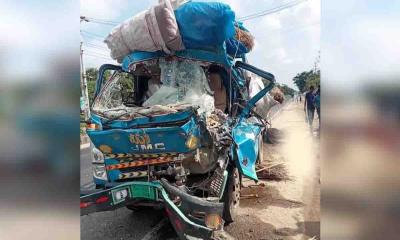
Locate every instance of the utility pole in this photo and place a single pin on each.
(316, 63)
(84, 90)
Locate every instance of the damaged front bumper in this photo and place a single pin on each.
(188, 214)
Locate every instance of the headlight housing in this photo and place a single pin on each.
(99, 168)
(213, 221)
(97, 156)
(99, 171)
(192, 142)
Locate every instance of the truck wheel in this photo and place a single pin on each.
(231, 196)
(139, 208)
(133, 208)
(274, 136)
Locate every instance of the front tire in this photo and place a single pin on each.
(274, 136)
(141, 208)
(231, 196)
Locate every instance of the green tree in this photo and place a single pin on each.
(313, 79)
(91, 77)
(125, 80)
(91, 74)
(306, 79)
(286, 89)
(300, 80)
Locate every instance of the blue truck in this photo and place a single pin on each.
(159, 141)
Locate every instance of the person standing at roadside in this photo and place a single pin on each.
(309, 107)
(317, 104)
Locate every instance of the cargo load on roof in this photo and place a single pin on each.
(178, 26)
(151, 30)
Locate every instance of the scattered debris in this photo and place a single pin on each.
(275, 172)
(219, 129)
(222, 235)
(256, 185)
(247, 196)
(269, 167)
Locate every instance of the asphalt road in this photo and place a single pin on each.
(122, 223)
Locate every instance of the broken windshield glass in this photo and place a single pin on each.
(179, 84)
(182, 82)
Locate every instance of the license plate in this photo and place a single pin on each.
(120, 195)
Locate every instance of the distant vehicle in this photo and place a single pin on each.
(158, 139)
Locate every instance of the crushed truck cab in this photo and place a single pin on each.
(159, 139)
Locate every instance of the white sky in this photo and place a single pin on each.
(359, 38)
(360, 43)
(33, 35)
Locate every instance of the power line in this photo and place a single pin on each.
(102, 20)
(298, 28)
(92, 34)
(95, 56)
(96, 50)
(271, 10)
(99, 21)
(96, 46)
(103, 23)
(98, 53)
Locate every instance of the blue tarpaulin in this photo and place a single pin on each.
(205, 25)
(235, 48)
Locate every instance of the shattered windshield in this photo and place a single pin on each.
(163, 87)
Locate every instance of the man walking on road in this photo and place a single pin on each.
(317, 103)
(309, 107)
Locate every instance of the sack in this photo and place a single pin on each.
(264, 105)
(205, 25)
(168, 26)
(177, 3)
(151, 30)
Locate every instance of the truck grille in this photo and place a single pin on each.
(133, 166)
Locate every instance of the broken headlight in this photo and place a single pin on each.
(192, 142)
(99, 171)
(213, 221)
(97, 156)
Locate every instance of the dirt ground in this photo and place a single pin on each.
(290, 208)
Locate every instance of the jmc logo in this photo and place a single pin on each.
(142, 142)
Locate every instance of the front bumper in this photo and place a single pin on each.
(187, 216)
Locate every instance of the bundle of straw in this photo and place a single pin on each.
(274, 172)
(244, 37)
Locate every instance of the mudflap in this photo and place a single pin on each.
(187, 217)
